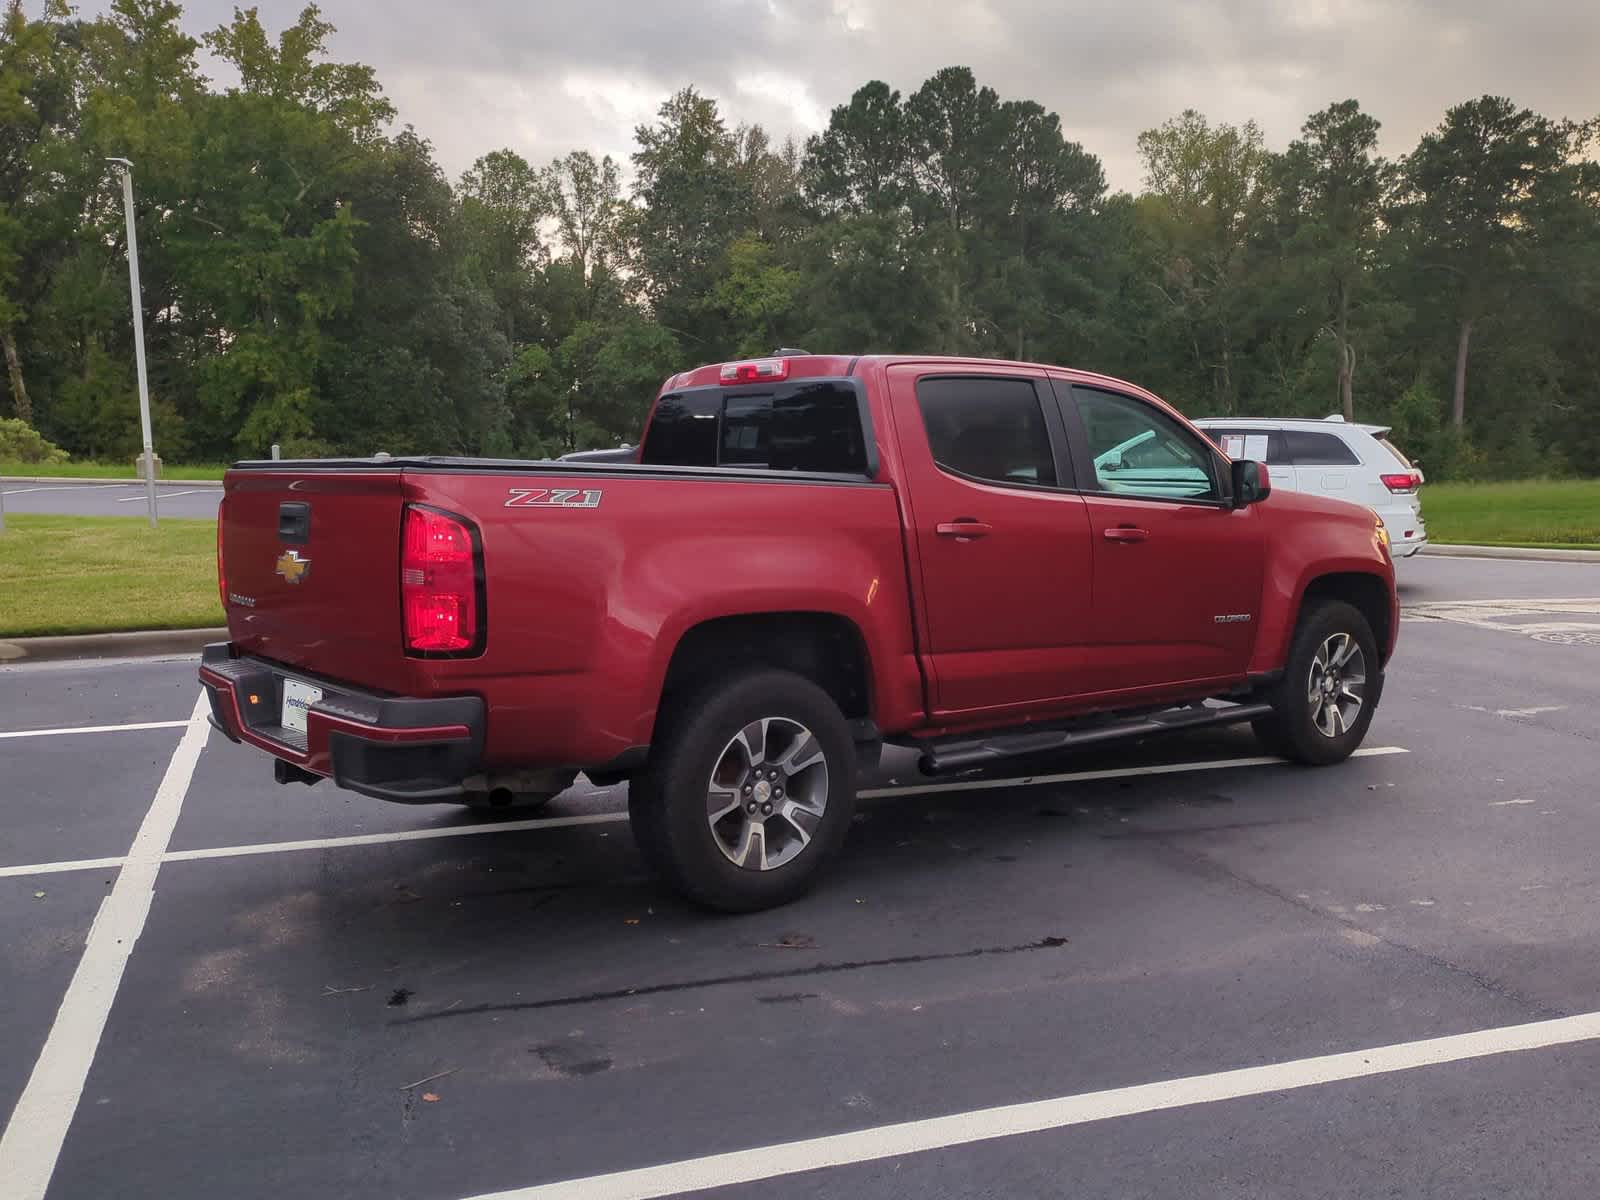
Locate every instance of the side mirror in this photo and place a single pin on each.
(1250, 483)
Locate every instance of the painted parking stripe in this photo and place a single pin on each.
(406, 835)
(69, 487)
(23, 733)
(1011, 1120)
(979, 785)
(608, 818)
(33, 1137)
(161, 495)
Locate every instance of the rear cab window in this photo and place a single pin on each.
(810, 425)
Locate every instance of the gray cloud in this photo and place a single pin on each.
(552, 75)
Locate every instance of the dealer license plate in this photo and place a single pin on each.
(297, 697)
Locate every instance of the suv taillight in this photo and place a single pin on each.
(440, 583)
(222, 571)
(1401, 483)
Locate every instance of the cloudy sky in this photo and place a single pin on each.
(547, 76)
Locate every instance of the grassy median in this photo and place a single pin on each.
(1534, 512)
(96, 574)
(94, 470)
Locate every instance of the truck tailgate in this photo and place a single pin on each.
(311, 570)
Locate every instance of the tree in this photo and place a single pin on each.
(694, 201)
(1463, 203)
(32, 104)
(1205, 188)
(587, 198)
(1329, 186)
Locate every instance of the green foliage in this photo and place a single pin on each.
(22, 443)
(311, 279)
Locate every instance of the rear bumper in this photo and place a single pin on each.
(394, 748)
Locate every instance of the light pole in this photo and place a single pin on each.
(138, 337)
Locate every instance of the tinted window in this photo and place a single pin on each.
(683, 432)
(809, 426)
(989, 429)
(1318, 449)
(1258, 445)
(1137, 450)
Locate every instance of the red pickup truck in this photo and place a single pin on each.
(807, 557)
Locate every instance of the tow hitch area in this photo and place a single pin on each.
(287, 772)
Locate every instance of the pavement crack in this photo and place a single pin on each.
(712, 981)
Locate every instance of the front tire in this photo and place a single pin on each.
(1330, 688)
(749, 792)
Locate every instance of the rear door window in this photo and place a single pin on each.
(1309, 449)
(812, 425)
(988, 429)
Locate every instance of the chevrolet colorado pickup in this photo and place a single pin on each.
(810, 556)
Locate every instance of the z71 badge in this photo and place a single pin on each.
(554, 498)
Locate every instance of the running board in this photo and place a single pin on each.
(958, 754)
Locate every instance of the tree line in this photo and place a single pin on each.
(312, 278)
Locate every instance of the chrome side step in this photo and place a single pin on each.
(962, 753)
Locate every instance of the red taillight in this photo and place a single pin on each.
(222, 572)
(439, 583)
(1402, 483)
(757, 370)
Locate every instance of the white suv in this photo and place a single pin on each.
(1333, 458)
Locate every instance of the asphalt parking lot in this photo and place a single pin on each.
(97, 498)
(329, 996)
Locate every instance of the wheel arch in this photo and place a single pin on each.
(1367, 593)
(825, 647)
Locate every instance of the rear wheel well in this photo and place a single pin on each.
(823, 647)
(1366, 593)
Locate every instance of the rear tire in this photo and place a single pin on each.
(1330, 688)
(764, 737)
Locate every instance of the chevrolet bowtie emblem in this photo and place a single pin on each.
(292, 567)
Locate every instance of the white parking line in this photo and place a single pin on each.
(22, 733)
(608, 818)
(980, 1125)
(406, 835)
(33, 1137)
(161, 495)
(69, 487)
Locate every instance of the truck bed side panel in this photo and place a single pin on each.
(586, 604)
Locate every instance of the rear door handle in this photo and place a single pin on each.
(1125, 533)
(966, 527)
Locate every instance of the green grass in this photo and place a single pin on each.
(98, 574)
(1547, 514)
(94, 470)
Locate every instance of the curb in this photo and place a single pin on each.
(1435, 550)
(86, 481)
(108, 645)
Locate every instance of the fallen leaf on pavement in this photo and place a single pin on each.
(431, 1097)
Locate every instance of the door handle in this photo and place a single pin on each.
(965, 527)
(1125, 533)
